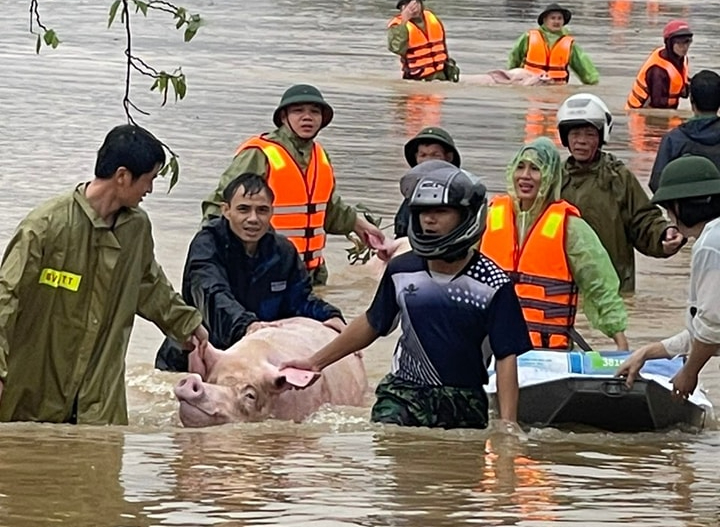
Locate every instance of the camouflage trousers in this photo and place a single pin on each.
(405, 403)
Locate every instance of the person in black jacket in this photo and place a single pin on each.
(241, 275)
(700, 135)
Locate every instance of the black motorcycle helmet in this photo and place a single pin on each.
(437, 183)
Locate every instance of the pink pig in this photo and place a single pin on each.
(243, 383)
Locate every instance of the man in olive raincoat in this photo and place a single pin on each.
(607, 194)
(73, 277)
(299, 118)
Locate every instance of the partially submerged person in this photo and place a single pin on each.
(417, 35)
(300, 174)
(608, 196)
(550, 50)
(430, 143)
(241, 275)
(551, 253)
(454, 306)
(690, 192)
(76, 272)
(700, 135)
(664, 77)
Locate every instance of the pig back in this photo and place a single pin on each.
(342, 383)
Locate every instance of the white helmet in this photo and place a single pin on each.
(582, 109)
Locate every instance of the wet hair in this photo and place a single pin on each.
(129, 146)
(691, 211)
(251, 183)
(705, 91)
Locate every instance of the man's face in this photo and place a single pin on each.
(132, 191)
(681, 45)
(249, 216)
(439, 221)
(432, 151)
(303, 119)
(554, 21)
(583, 142)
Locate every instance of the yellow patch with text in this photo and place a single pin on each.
(63, 279)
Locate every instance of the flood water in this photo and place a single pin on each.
(336, 469)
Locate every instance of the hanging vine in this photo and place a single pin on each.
(162, 81)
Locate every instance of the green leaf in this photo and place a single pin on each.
(155, 85)
(113, 11)
(175, 169)
(141, 6)
(48, 36)
(181, 87)
(174, 81)
(189, 33)
(38, 44)
(193, 25)
(55, 41)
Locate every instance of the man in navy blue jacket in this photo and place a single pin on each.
(698, 136)
(241, 275)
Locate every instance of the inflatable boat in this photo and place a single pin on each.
(578, 388)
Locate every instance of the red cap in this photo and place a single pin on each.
(676, 28)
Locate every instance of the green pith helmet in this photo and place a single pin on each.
(303, 94)
(431, 134)
(688, 177)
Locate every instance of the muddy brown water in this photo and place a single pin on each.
(336, 469)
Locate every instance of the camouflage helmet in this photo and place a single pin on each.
(688, 176)
(303, 94)
(431, 134)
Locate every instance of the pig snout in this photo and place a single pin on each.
(190, 389)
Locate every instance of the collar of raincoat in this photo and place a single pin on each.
(298, 142)
(542, 153)
(553, 36)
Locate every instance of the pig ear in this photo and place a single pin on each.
(288, 378)
(203, 363)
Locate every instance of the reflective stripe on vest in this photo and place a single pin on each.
(427, 52)
(539, 269)
(639, 95)
(553, 62)
(301, 198)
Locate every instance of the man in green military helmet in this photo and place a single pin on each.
(300, 174)
(690, 192)
(430, 143)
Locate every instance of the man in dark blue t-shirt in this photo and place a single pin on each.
(455, 306)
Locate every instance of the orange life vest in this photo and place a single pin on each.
(301, 198)
(554, 62)
(539, 269)
(427, 52)
(639, 94)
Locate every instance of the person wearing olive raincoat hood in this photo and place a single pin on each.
(551, 253)
(609, 196)
(301, 176)
(550, 49)
(76, 272)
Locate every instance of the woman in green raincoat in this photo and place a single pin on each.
(551, 253)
